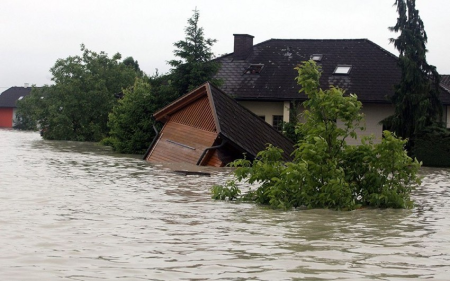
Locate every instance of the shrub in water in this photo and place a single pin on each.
(327, 172)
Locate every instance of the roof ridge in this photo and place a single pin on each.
(383, 49)
(321, 39)
(281, 39)
(212, 104)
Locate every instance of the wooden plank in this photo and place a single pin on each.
(193, 142)
(197, 115)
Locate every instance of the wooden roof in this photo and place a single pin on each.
(232, 121)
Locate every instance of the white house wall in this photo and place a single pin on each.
(448, 116)
(266, 109)
(374, 113)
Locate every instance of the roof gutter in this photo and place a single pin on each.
(152, 144)
(208, 149)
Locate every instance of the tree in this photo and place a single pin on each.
(326, 172)
(76, 107)
(194, 66)
(131, 121)
(416, 97)
(130, 62)
(30, 109)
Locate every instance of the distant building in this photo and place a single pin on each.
(8, 104)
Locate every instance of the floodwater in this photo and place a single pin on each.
(77, 211)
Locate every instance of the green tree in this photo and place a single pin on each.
(327, 172)
(131, 121)
(416, 97)
(130, 62)
(194, 66)
(30, 109)
(76, 107)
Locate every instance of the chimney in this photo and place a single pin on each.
(25, 85)
(243, 46)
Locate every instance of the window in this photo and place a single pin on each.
(342, 69)
(277, 122)
(254, 69)
(316, 57)
(262, 117)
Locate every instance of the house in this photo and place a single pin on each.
(261, 77)
(8, 100)
(207, 127)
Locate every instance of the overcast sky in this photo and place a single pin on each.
(34, 34)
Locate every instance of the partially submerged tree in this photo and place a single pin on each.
(76, 107)
(194, 65)
(326, 172)
(30, 109)
(416, 97)
(130, 122)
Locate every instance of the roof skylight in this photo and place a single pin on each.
(342, 69)
(316, 57)
(254, 69)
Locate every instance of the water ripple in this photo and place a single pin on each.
(77, 211)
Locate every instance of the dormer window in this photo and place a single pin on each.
(316, 57)
(342, 69)
(254, 69)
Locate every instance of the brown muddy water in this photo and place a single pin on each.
(77, 211)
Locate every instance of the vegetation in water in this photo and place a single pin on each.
(96, 97)
(130, 122)
(326, 172)
(76, 107)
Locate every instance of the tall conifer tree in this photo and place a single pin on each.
(416, 97)
(194, 66)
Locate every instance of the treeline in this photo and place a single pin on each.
(100, 98)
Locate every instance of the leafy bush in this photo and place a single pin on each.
(130, 122)
(77, 105)
(326, 172)
(231, 192)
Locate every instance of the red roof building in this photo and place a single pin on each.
(8, 104)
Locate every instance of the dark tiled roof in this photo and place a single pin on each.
(245, 129)
(373, 75)
(445, 82)
(9, 97)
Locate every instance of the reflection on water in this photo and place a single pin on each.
(76, 211)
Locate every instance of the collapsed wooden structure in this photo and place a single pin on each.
(209, 128)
